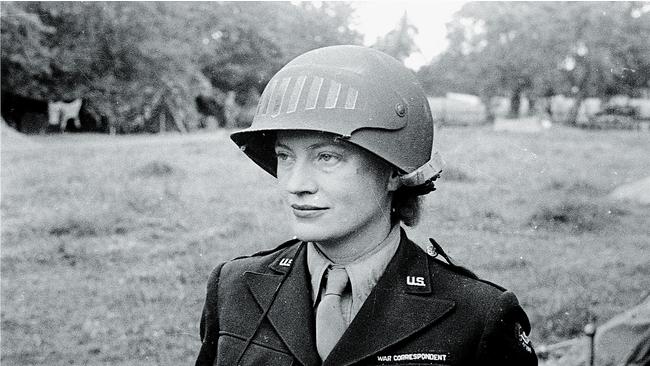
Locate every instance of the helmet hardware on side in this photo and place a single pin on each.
(362, 95)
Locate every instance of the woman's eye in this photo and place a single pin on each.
(282, 156)
(328, 158)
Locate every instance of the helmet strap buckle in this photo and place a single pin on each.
(430, 171)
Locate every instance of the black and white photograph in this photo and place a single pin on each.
(335, 183)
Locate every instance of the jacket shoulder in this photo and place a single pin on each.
(467, 273)
(436, 252)
(259, 261)
(461, 285)
(267, 252)
(504, 324)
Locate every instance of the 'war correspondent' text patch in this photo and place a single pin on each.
(420, 357)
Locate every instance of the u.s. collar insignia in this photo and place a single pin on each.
(415, 281)
(286, 262)
(523, 339)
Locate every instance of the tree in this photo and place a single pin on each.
(115, 55)
(576, 48)
(399, 42)
(124, 55)
(245, 52)
(24, 53)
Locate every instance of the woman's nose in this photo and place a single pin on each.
(298, 179)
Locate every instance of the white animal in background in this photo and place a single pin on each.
(60, 113)
(54, 113)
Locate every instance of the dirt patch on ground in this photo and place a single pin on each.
(156, 168)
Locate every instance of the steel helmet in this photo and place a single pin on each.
(365, 96)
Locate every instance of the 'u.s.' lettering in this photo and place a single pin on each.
(415, 281)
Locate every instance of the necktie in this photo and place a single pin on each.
(330, 323)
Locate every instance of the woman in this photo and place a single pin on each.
(348, 133)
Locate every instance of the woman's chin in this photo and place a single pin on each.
(311, 233)
(307, 236)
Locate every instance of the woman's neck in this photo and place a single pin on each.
(349, 248)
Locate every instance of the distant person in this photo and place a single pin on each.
(348, 133)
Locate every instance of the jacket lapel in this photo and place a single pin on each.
(401, 304)
(291, 314)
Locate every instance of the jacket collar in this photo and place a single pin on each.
(291, 313)
(405, 288)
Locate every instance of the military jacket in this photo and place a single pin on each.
(259, 311)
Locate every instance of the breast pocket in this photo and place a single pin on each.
(229, 347)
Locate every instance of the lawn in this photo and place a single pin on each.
(107, 242)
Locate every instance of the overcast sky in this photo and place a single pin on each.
(376, 18)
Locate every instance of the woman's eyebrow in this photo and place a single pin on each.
(282, 146)
(319, 145)
(316, 145)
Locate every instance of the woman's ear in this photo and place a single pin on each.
(394, 181)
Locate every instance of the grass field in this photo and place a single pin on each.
(107, 242)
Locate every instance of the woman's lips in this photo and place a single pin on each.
(307, 211)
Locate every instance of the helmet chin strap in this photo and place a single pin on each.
(425, 174)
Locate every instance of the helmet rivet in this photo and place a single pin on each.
(400, 109)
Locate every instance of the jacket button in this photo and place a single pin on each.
(400, 109)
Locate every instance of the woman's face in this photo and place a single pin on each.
(335, 191)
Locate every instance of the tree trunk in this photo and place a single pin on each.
(515, 102)
(531, 106)
(489, 112)
(580, 95)
(572, 118)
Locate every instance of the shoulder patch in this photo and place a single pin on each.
(264, 252)
(523, 339)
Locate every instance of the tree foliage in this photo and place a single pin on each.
(244, 52)
(575, 48)
(123, 55)
(399, 42)
(24, 53)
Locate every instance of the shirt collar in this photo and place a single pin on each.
(364, 272)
